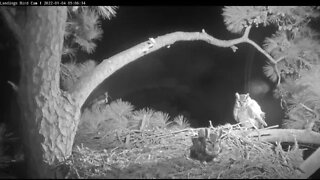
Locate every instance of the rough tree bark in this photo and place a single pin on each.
(49, 117)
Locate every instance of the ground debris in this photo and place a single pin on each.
(163, 153)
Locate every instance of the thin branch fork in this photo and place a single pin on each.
(312, 111)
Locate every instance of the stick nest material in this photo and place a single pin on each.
(165, 153)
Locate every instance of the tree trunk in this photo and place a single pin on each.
(49, 117)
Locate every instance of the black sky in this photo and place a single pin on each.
(193, 78)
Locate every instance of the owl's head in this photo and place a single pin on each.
(242, 98)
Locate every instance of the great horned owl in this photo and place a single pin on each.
(248, 112)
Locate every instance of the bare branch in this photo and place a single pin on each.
(287, 135)
(310, 123)
(280, 59)
(246, 32)
(269, 57)
(244, 36)
(310, 165)
(109, 66)
(313, 111)
(112, 64)
(307, 108)
(261, 50)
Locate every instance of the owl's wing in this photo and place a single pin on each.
(262, 121)
(254, 106)
(255, 111)
(236, 111)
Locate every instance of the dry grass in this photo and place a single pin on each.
(164, 153)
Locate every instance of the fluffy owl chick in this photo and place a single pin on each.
(248, 112)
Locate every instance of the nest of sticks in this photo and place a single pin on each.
(165, 153)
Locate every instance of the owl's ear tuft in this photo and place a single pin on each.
(237, 95)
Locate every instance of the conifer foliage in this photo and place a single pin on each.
(294, 50)
(82, 31)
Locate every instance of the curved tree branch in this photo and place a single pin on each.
(261, 50)
(310, 165)
(268, 56)
(109, 66)
(112, 64)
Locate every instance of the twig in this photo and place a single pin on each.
(114, 149)
(270, 127)
(182, 130)
(280, 59)
(310, 124)
(261, 50)
(310, 165)
(306, 107)
(246, 32)
(210, 124)
(78, 176)
(14, 86)
(143, 122)
(309, 109)
(269, 57)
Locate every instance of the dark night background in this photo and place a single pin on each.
(191, 78)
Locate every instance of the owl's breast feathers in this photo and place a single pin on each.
(249, 115)
(236, 111)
